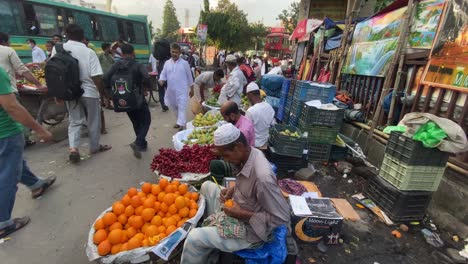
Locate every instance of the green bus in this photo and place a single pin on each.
(41, 19)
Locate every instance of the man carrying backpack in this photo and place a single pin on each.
(128, 81)
(74, 74)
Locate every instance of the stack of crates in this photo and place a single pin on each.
(289, 99)
(306, 91)
(411, 172)
(284, 97)
(322, 127)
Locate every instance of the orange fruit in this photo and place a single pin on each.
(145, 226)
(131, 232)
(149, 203)
(126, 200)
(132, 192)
(99, 224)
(180, 223)
(169, 198)
(177, 217)
(183, 189)
(127, 226)
(136, 201)
(192, 213)
(104, 248)
(156, 221)
(180, 202)
(124, 236)
(175, 183)
(140, 236)
(148, 214)
(146, 187)
(151, 231)
(172, 209)
(99, 236)
(170, 229)
(163, 183)
(118, 208)
(194, 196)
(193, 205)
(122, 219)
(177, 193)
(134, 243)
(115, 237)
(124, 247)
(170, 189)
(164, 207)
(161, 214)
(157, 206)
(129, 211)
(142, 195)
(155, 189)
(162, 229)
(139, 209)
(116, 225)
(161, 196)
(116, 249)
(145, 243)
(169, 222)
(188, 195)
(137, 222)
(152, 196)
(130, 220)
(229, 203)
(109, 218)
(184, 212)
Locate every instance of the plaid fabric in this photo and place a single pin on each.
(220, 169)
(226, 226)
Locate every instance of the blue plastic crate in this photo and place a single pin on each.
(306, 91)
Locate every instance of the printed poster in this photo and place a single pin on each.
(202, 32)
(375, 40)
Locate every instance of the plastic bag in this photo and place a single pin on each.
(272, 252)
(430, 134)
(389, 129)
(271, 84)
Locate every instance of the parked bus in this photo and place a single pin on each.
(40, 19)
(277, 45)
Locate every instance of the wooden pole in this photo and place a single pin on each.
(401, 65)
(402, 41)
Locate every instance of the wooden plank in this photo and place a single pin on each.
(344, 208)
(371, 96)
(452, 105)
(427, 101)
(415, 107)
(416, 62)
(412, 54)
(439, 101)
(463, 116)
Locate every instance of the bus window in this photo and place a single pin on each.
(121, 30)
(45, 20)
(109, 29)
(140, 33)
(96, 28)
(130, 32)
(83, 20)
(10, 19)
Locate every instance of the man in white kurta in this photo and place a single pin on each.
(179, 78)
(232, 90)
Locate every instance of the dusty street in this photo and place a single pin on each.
(60, 220)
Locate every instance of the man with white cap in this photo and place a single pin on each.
(261, 113)
(277, 70)
(257, 204)
(232, 90)
(231, 113)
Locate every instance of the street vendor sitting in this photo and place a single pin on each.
(252, 209)
(231, 114)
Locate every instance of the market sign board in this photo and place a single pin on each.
(448, 68)
(375, 40)
(202, 32)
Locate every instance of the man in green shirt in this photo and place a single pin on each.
(13, 168)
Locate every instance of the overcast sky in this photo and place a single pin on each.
(257, 10)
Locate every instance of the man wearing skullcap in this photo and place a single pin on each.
(258, 206)
(232, 90)
(261, 113)
(277, 67)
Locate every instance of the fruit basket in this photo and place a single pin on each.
(145, 220)
(209, 119)
(200, 136)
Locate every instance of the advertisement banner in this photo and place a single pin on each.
(375, 40)
(202, 32)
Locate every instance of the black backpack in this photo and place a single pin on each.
(126, 95)
(162, 50)
(62, 75)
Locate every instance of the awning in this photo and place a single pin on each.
(304, 27)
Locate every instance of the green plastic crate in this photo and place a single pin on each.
(319, 134)
(287, 145)
(410, 178)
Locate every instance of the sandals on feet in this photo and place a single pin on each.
(102, 148)
(18, 223)
(47, 183)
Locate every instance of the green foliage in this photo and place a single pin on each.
(151, 29)
(206, 4)
(170, 22)
(290, 17)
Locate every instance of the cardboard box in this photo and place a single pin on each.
(321, 223)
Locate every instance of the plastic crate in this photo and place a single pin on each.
(306, 91)
(287, 145)
(319, 134)
(319, 152)
(338, 153)
(320, 117)
(293, 120)
(286, 163)
(283, 99)
(410, 178)
(400, 206)
(412, 152)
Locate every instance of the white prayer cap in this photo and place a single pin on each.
(226, 134)
(231, 58)
(252, 87)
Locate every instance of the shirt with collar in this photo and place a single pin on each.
(256, 190)
(262, 116)
(89, 66)
(38, 55)
(246, 127)
(233, 88)
(12, 64)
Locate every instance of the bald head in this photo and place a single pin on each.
(230, 112)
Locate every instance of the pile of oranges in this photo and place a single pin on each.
(144, 218)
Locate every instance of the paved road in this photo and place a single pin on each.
(61, 219)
